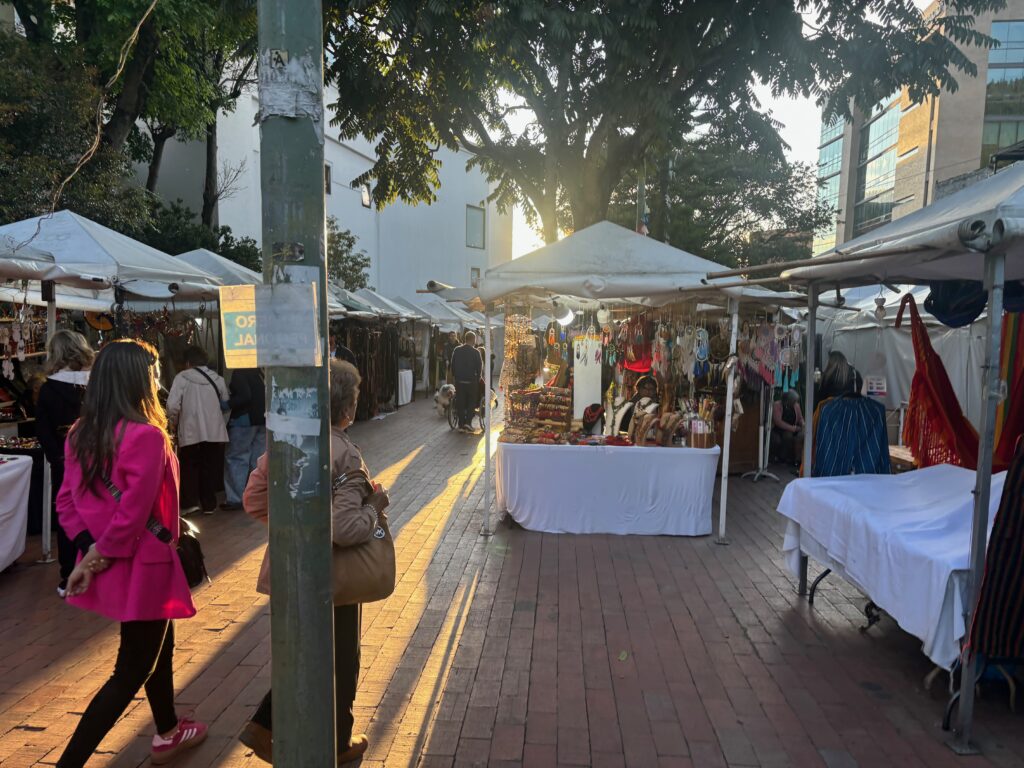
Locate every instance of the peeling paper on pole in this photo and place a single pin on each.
(294, 425)
(292, 87)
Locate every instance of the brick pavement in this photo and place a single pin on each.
(523, 649)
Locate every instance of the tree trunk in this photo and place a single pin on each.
(135, 80)
(210, 178)
(160, 138)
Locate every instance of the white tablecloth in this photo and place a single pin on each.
(904, 540)
(15, 479)
(404, 387)
(610, 489)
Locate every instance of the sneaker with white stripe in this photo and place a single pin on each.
(190, 734)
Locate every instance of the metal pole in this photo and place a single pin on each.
(47, 556)
(992, 389)
(812, 345)
(485, 530)
(291, 172)
(723, 494)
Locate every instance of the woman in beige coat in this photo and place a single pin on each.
(353, 519)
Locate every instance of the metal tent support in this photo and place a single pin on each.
(811, 336)
(992, 394)
(47, 531)
(734, 309)
(485, 529)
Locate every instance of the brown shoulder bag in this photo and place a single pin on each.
(364, 573)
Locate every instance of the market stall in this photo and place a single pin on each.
(629, 311)
(15, 472)
(972, 236)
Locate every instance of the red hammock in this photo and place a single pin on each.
(935, 429)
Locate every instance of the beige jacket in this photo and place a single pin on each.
(351, 522)
(193, 407)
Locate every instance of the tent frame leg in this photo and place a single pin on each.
(995, 264)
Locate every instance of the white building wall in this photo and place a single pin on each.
(407, 244)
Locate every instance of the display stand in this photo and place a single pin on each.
(764, 436)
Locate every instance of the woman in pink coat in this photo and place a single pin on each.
(119, 505)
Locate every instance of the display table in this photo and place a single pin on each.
(15, 480)
(608, 489)
(35, 494)
(903, 540)
(404, 387)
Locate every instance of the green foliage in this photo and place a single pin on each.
(728, 199)
(47, 119)
(175, 229)
(559, 101)
(345, 264)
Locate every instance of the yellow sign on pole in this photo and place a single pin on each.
(238, 325)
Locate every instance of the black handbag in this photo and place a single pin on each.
(190, 552)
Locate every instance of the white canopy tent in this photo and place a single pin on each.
(387, 307)
(89, 255)
(975, 234)
(446, 321)
(24, 262)
(609, 263)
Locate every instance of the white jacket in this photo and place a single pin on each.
(194, 406)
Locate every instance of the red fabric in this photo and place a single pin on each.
(145, 581)
(935, 430)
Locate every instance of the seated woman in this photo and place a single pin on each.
(787, 429)
(645, 397)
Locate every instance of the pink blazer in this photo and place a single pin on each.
(145, 581)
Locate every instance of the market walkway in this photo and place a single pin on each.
(523, 649)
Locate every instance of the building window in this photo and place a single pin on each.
(327, 179)
(474, 276)
(1004, 91)
(831, 131)
(475, 227)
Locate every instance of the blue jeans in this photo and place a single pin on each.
(245, 446)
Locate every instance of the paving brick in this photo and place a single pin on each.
(521, 649)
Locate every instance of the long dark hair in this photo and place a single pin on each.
(122, 387)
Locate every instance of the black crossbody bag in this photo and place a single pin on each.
(190, 553)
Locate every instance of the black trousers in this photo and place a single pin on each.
(67, 555)
(202, 474)
(467, 400)
(143, 659)
(347, 630)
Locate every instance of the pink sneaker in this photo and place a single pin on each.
(189, 734)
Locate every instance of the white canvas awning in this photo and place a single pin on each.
(445, 321)
(24, 262)
(387, 307)
(89, 255)
(944, 241)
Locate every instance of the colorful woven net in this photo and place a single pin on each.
(935, 429)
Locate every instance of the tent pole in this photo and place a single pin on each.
(485, 530)
(723, 496)
(992, 394)
(812, 345)
(47, 531)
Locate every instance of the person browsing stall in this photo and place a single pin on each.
(788, 428)
(247, 433)
(466, 370)
(195, 411)
(68, 360)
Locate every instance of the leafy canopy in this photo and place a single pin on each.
(345, 264)
(559, 101)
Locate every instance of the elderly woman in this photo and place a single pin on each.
(68, 360)
(354, 518)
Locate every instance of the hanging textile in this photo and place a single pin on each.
(998, 628)
(935, 430)
(850, 438)
(1011, 365)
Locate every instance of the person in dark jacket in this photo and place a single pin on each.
(465, 371)
(247, 433)
(68, 360)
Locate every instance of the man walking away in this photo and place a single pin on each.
(247, 433)
(196, 415)
(466, 369)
